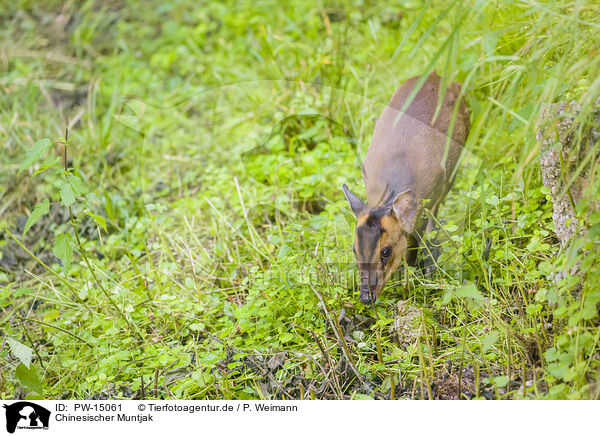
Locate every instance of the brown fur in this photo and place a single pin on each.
(412, 151)
(422, 109)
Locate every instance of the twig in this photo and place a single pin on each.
(82, 251)
(38, 260)
(55, 327)
(331, 367)
(143, 393)
(5, 335)
(35, 348)
(263, 371)
(323, 352)
(156, 380)
(462, 359)
(342, 343)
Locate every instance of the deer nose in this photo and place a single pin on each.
(368, 283)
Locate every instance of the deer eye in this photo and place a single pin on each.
(386, 252)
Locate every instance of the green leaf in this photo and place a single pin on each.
(29, 378)
(91, 197)
(500, 381)
(50, 162)
(39, 211)
(446, 298)
(533, 309)
(39, 148)
(362, 397)
(534, 244)
(70, 188)
(558, 369)
(198, 376)
(77, 185)
(286, 337)
(21, 351)
(560, 312)
(490, 340)
(100, 220)
(63, 249)
(492, 201)
(469, 291)
(557, 389)
(67, 196)
(283, 251)
(552, 354)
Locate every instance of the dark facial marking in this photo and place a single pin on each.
(368, 234)
(366, 238)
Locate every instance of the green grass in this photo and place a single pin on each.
(215, 138)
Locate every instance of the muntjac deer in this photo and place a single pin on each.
(412, 157)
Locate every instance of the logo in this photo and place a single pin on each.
(26, 415)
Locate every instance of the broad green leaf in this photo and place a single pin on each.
(137, 107)
(469, 291)
(91, 197)
(198, 376)
(39, 148)
(534, 244)
(557, 389)
(39, 211)
(21, 351)
(559, 369)
(286, 337)
(23, 291)
(446, 298)
(552, 354)
(83, 293)
(490, 340)
(67, 196)
(500, 381)
(492, 201)
(70, 188)
(362, 397)
(63, 249)
(50, 162)
(29, 377)
(283, 251)
(533, 309)
(77, 185)
(560, 312)
(197, 326)
(99, 219)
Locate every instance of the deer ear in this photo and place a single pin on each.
(405, 209)
(356, 204)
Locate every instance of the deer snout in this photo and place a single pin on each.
(368, 285)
